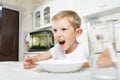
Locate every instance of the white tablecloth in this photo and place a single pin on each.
(15, 71)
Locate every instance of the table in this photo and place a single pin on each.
(11, 70)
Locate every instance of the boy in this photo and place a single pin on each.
(66, 28)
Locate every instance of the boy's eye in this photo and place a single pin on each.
(54, 30)
(64, 29)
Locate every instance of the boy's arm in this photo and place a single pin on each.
(43, 56)
(29, 61)
(104, 59)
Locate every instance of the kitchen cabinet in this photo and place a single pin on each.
(60, 5)
(95, 6)
(41, 16)
(108, 4)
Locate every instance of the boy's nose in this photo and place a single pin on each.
(58, 34)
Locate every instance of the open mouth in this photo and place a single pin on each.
(62, 42)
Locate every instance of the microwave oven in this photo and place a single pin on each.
(41, 40)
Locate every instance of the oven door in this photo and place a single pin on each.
(41, 40)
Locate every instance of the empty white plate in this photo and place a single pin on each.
(62, 65)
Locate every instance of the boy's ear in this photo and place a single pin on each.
(78, 32)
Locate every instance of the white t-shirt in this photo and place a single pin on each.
(81, 52)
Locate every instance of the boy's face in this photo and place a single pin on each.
(64, 33)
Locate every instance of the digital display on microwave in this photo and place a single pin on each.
(41, 40)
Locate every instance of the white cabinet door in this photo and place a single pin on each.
(89, 7)
(46, 15)
(59, 5)
(41, 16)
(96, 6)
(108, 4)
(37, 18)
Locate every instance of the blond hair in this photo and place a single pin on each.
(71, 16)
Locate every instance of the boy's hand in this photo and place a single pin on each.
(29, 62)
(86, 65)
